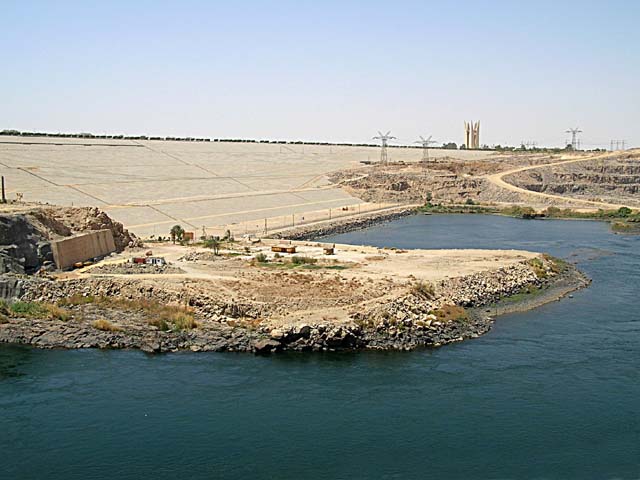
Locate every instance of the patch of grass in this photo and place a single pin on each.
(57, 313)
(181, 321)
(424, 290)
(334, 267)
(451, 313)
(76, 300)
(525, 292)
(557, 264)
(164, 317)
(299, 260)
(39, 310)
(538, 267)
(105, 326)
(160, 323)
(27, 309)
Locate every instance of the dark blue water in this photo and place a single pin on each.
(552, 393)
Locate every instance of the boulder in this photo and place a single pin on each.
(266, 346)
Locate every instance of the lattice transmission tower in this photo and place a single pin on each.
(425, 142)
(574, 134)
(384, 140)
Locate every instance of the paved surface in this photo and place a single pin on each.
(151, 185)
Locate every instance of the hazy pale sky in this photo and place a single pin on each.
(324, 70)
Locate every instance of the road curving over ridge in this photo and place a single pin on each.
(498, 180)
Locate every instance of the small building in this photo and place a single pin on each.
(157, 261)
(284, 248)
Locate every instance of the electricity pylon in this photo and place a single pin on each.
(384, 138)
(425, 146)
(574, 132)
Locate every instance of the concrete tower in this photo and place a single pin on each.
(472, 134)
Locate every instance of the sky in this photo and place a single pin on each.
(324, 70)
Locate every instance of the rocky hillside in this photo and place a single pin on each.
(610, 180)
(26, 232)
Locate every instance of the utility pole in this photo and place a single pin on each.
(425, 147)
(384, 139)
(4, 198)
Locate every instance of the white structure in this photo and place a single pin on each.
(472, 134)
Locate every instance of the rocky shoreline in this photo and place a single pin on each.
(405, 323)
(312, 232)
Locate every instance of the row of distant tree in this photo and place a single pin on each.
(445, 145)
(19, 133)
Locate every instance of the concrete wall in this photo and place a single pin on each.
(82, 247)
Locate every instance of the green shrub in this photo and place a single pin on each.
(520, 212)
(261, 258)
(624, 212)
(27, 309)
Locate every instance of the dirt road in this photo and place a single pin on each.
(498, 180)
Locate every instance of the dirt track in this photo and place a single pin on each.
(498, 180)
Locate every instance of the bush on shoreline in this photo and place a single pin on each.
(423, 289)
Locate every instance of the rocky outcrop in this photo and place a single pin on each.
(25, 235)
(616, 180)
(84, 219)
(23, 248)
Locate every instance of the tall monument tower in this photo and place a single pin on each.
(472, 134)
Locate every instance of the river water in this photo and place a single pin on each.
(551, 393)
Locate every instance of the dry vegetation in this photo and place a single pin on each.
(451, 313)
(105, 326)
(164, 317)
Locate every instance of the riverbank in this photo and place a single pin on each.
(333, 227)
(117, 312)
(624, 220)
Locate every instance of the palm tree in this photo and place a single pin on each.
(213, 243)
(176, 233)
